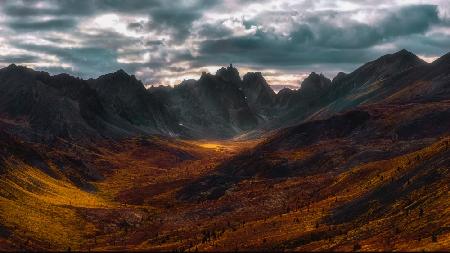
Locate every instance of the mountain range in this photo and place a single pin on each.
(215, 106)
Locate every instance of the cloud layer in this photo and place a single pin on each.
(164, 42)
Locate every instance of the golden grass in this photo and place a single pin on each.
(38, 206)
(49, 190)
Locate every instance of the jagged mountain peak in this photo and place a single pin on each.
(404, 56)
(117, 75)
(206, 75)
(339, 76)
(121, 71)
(253, 76)
(119, 81)
(257, 90)
(228, 74)
(404, 52)
(393, 63)
(16, 67)
(13, 68)
(315, 81)
(65, 76)
(256, 81)
(313, 76)
(285, 91)
(188, 82)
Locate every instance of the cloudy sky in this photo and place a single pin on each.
(164, 42)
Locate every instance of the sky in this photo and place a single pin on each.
(164, 42)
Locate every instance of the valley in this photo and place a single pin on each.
(357, 163)
(137, 205)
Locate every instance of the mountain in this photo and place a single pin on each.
(312, 88)
(222, 105)
(366, 82)
(212, 107)
(49, 106)
(295, 106)
(321, 97)
(45, 107)
(260, 97)
(379, 69)
(125, 96)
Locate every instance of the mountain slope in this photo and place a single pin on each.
(212, 107)
(117, 105)
(127, 97)
(45, 107)
(322, 98)
(259, 96)
(368, 83)
(295, 106)
(51, 106)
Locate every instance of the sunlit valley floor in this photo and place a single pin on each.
(391, 203)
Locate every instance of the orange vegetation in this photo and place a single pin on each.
(135, 205)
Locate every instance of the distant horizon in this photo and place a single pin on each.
(275, 87)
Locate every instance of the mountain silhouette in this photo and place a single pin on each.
(222, 105)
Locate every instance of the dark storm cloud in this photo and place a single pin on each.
(26, 9)
(90, 60)
(428, 45)
(107, 39)
(135, 26)
(212, 31)
(54, 24)
(77, 7)
(171, 16)
(154, 43)
(23, 58)
(164, 14)
(266, 49)
(319, 41)
(409, 20)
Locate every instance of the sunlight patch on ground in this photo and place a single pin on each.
(226, 145)
(211, 146)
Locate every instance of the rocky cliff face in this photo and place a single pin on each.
(214, 106)
(123, 95)
(50, 106)
(260, 97)
(220, 105)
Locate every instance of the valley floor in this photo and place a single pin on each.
(135, 204)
